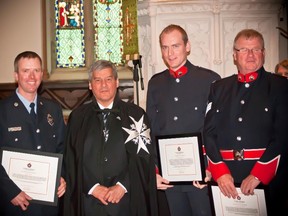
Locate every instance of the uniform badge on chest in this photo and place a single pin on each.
(50, 119)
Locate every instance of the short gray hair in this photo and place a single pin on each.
(100, 65)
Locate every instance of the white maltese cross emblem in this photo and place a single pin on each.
(139, 133)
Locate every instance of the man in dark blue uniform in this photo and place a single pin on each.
(246, 126)
(18, 129)
(109, 157)
(176, 104)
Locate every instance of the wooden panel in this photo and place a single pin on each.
(70, 94)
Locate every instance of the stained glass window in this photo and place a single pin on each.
(107, 22)
(70, 46)
(112, 27)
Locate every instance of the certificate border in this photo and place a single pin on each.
(237, 185)
(201, 156)
(49, 154)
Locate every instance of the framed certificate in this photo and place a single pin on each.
(252, 205)
(181, 159)
(36, 173)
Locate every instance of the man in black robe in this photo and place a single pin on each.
(108, 156)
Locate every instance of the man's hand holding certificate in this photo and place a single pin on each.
(37, 174)
(224, 202)
(180, 158)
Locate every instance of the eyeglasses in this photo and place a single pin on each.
(246, 50)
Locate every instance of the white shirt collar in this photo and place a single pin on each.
(108, 107)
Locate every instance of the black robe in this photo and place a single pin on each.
(138, 173)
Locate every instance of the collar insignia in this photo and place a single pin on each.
(247, 77)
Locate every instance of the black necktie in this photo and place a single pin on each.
(32, 112)
(105, 129)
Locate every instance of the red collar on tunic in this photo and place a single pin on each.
(247, 77)
(180, 72)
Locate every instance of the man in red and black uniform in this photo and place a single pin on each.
(245, 130)
(181, 110)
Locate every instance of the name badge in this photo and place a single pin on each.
(14, 129)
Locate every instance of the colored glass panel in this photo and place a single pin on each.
(70, 46)
(108, 30)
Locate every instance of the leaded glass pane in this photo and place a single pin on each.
(70, 46)
(68, 53)
(108, 30)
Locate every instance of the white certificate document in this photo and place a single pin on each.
(252, 205)
(35, 173)
(181, 157)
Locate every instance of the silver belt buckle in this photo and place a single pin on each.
(238, 154)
